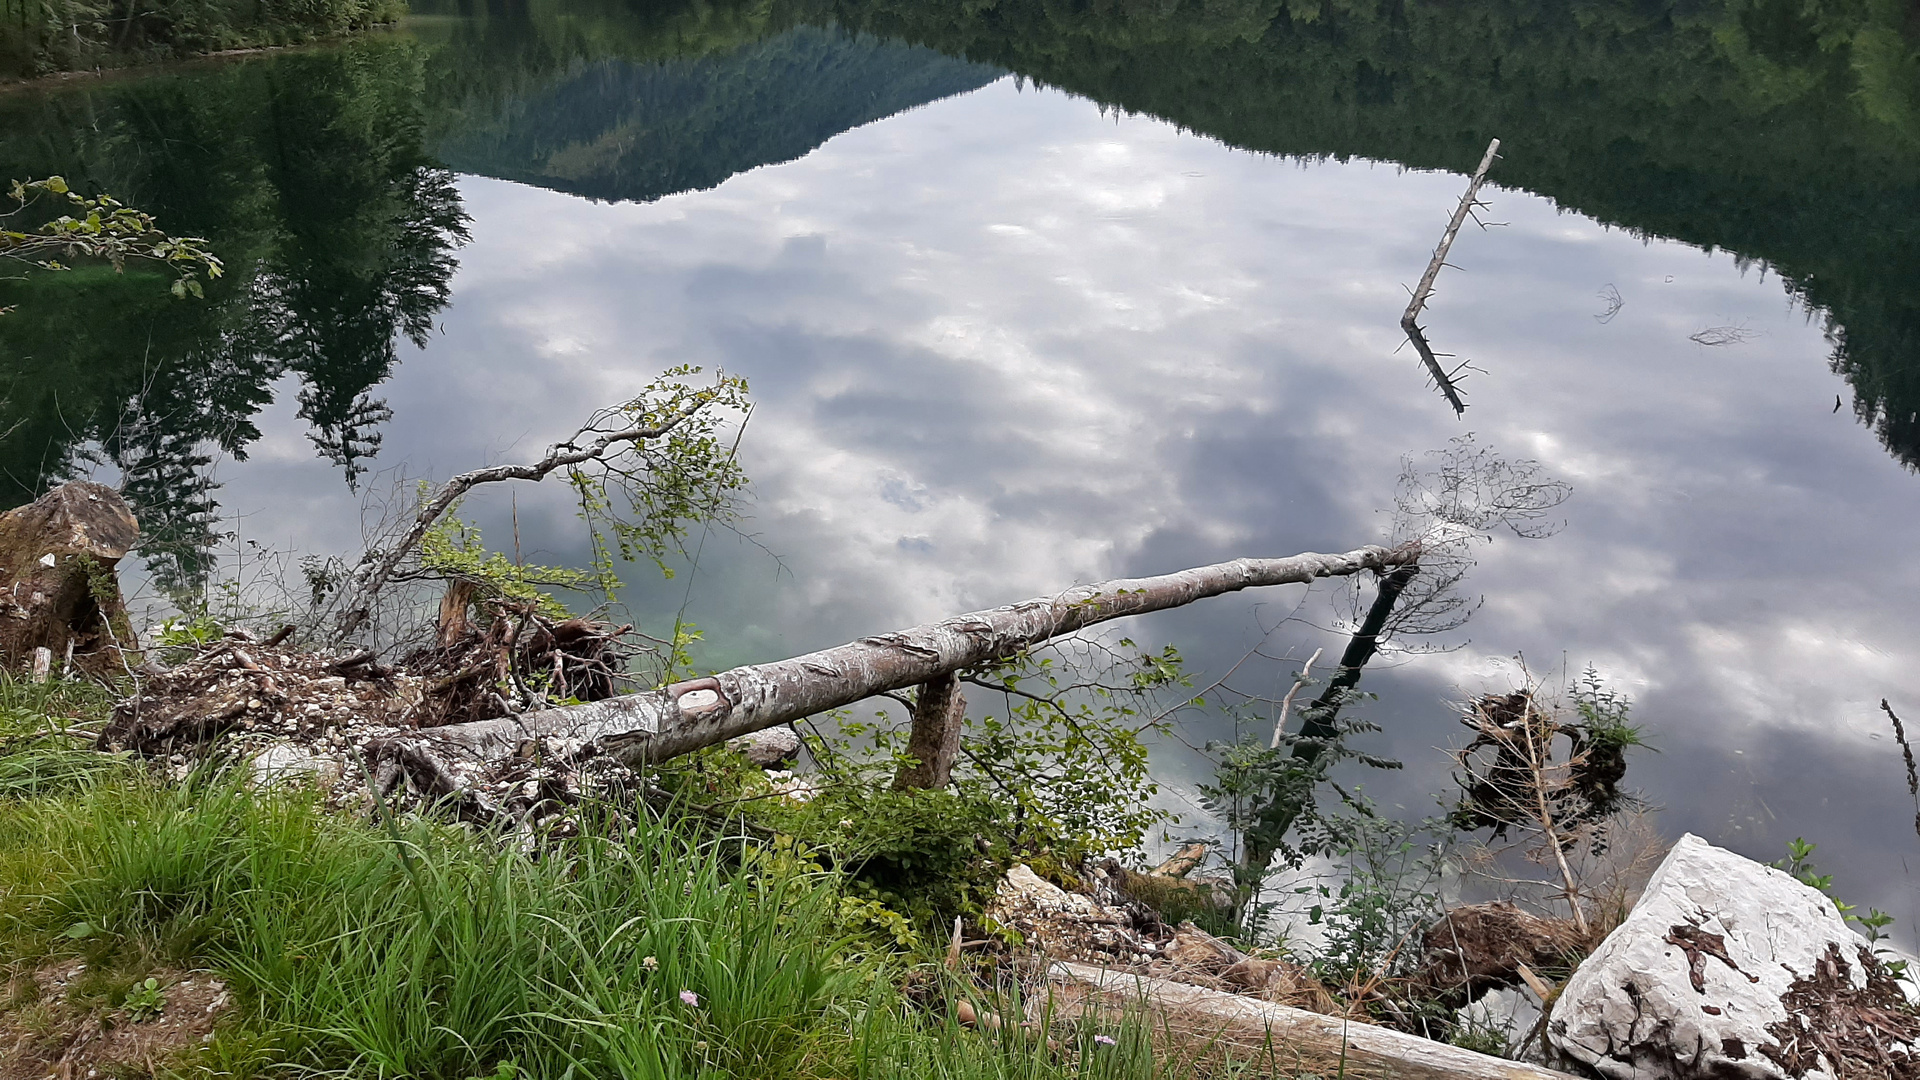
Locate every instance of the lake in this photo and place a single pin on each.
(1033, 294)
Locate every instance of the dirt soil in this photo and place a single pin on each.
(47, 1030)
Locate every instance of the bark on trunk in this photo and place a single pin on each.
(58, 588)
(454, 604)
(660, 724)
(938, 717)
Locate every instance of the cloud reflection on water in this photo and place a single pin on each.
(1005, 342)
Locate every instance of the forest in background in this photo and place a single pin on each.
(38, 37)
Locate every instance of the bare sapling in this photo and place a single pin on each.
(1549, 776)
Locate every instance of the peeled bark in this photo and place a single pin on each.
(639, 728)
(58, 589)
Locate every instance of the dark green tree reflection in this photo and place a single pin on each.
(307, 175)
(1786, 131)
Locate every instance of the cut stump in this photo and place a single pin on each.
(58, 587)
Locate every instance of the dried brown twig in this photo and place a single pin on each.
(1906, 751)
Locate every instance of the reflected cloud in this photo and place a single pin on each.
(971, 389)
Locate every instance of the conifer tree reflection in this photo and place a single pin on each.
(307, 174)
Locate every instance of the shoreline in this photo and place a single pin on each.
(12, 84)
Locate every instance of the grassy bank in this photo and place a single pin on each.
(418, 949)
(38, 37)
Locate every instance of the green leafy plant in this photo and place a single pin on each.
(103, 229)
(1873, 925)
(146, 1000)
(1267, 794)
(1386, 890)
(452, 548)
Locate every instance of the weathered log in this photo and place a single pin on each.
(639, 728)
(1181, 862)
(1304, 1042)
(939, 716)
(58, 587)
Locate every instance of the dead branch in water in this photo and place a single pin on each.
(1409, 321)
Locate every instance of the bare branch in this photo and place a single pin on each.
(1409, 321)
(378, 565)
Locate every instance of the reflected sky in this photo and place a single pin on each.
(1007, 342)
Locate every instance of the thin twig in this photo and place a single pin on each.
(1286, 703)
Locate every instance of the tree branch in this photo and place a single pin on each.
(639, 728)
(378, 565)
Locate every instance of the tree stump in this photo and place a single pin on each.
(59, 589)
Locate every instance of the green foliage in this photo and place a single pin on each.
(1267, 792)
(106, 230)
(636, 949)
(1065, 751)
(687, 476)
(46, 737)
(1799, 863)
(146, 1001)
(452, 548)
(40, 36)
(1385, 895)
(1604, 714)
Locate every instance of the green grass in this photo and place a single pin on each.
(427, 951)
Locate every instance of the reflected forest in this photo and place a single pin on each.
(1786, 132)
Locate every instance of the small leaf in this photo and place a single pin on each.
(180, 289)
(80, 929)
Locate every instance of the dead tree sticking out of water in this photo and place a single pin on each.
(637, 729)
(1410, 320)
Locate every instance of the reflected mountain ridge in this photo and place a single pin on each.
(1786, 133)
(621, 131)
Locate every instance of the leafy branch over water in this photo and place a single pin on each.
(100, 228)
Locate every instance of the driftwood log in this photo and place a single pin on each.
(59, 595)
(1308, 1041)
(635, 729)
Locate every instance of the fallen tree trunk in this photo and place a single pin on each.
(636, 729)
(1300, 1041)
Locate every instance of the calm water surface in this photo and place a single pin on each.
(1026, 301)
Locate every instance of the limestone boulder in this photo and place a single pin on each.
(769, 749)
(59, 589)
(1729, 969)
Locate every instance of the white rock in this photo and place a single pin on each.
(289, 763)
(768, 749)
(1509, 1012)
(1687, 987)
(1022, 888)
